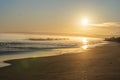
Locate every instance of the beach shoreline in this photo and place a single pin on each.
(46, 53)
(98, 63)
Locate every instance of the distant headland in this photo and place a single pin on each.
(113, 39)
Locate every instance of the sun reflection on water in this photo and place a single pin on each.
(84, 40)
(85, 47)
(85, 43)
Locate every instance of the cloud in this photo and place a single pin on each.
(107, 24)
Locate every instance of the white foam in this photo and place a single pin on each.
(3, 64)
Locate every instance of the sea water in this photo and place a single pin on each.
(18, 46)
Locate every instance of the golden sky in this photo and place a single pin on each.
(61, 16)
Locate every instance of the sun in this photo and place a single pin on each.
(85, 21)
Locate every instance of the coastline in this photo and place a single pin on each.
(45, 53)
(98, 63)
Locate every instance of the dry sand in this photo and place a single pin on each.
(99, 63)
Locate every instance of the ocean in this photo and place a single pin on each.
(19, 46)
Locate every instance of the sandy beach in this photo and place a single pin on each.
(59, 39)
(99, 63)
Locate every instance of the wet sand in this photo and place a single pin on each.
(99, 63)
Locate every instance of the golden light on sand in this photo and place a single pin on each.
(85, 21)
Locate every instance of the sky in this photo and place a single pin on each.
(60, 16)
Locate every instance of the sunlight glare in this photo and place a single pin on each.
(85, 47)
(84, 40)
(84, 21)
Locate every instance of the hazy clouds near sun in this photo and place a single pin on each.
(54, 15)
